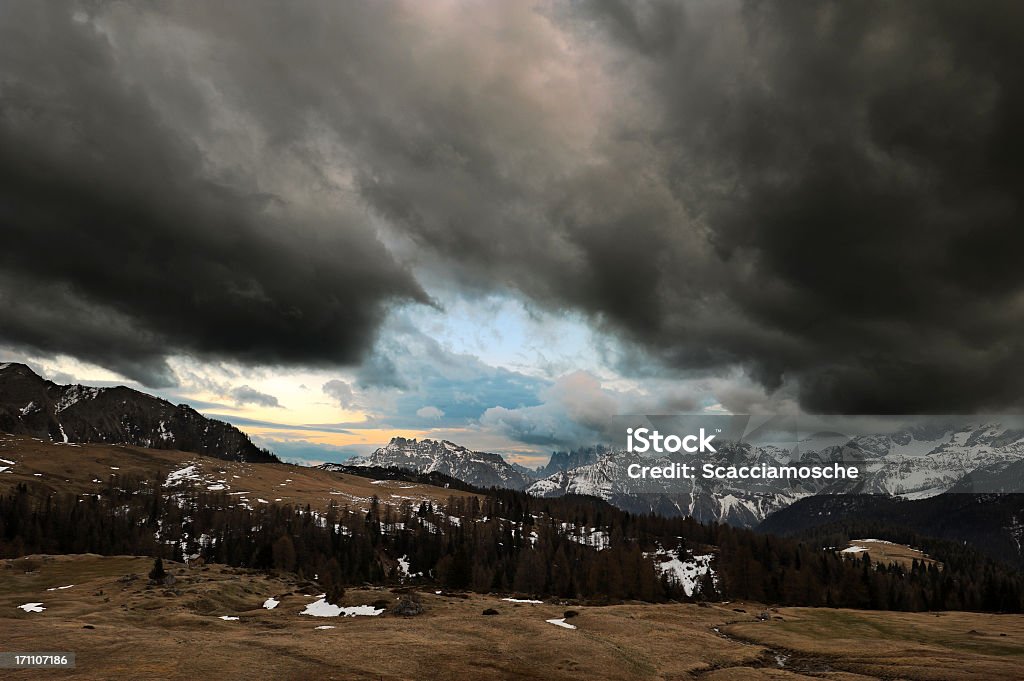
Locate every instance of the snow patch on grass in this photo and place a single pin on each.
(271, 603)
(32, 607)
(522, 600)
(322, 608)
(560, 622)
(181, 475)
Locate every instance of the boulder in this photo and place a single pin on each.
(407, 607)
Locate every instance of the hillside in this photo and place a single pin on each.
(989, 522)
(103, 608)
(91, 469)
(886, 552)
(31, 405)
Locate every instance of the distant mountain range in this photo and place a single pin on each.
(911, 464)
(947, 483)
(481, 469)
(31, 405)
(740, 505)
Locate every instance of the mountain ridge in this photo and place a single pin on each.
(913, 464)
(481, 469)
(32, 405)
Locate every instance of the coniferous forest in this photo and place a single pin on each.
(500, 541)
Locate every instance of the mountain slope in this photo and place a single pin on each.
(994, 523)
(481, 469)
(31, 405)
(51, 468)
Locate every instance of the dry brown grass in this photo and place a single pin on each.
(887, 552)
(160, 633)
(926, 646)
(75, 468)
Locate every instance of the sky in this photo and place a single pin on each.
(503, 223)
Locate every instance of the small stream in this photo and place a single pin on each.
(780, 658)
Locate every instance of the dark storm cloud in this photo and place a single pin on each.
(825, 195)
(121, 247)
(858, 168)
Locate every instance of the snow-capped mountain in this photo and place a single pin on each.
(915, 467)
(32, 405)
(482, 469)
(706, 500)
(913, 464)
(563, 461)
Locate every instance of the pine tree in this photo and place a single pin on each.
(157, 574)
